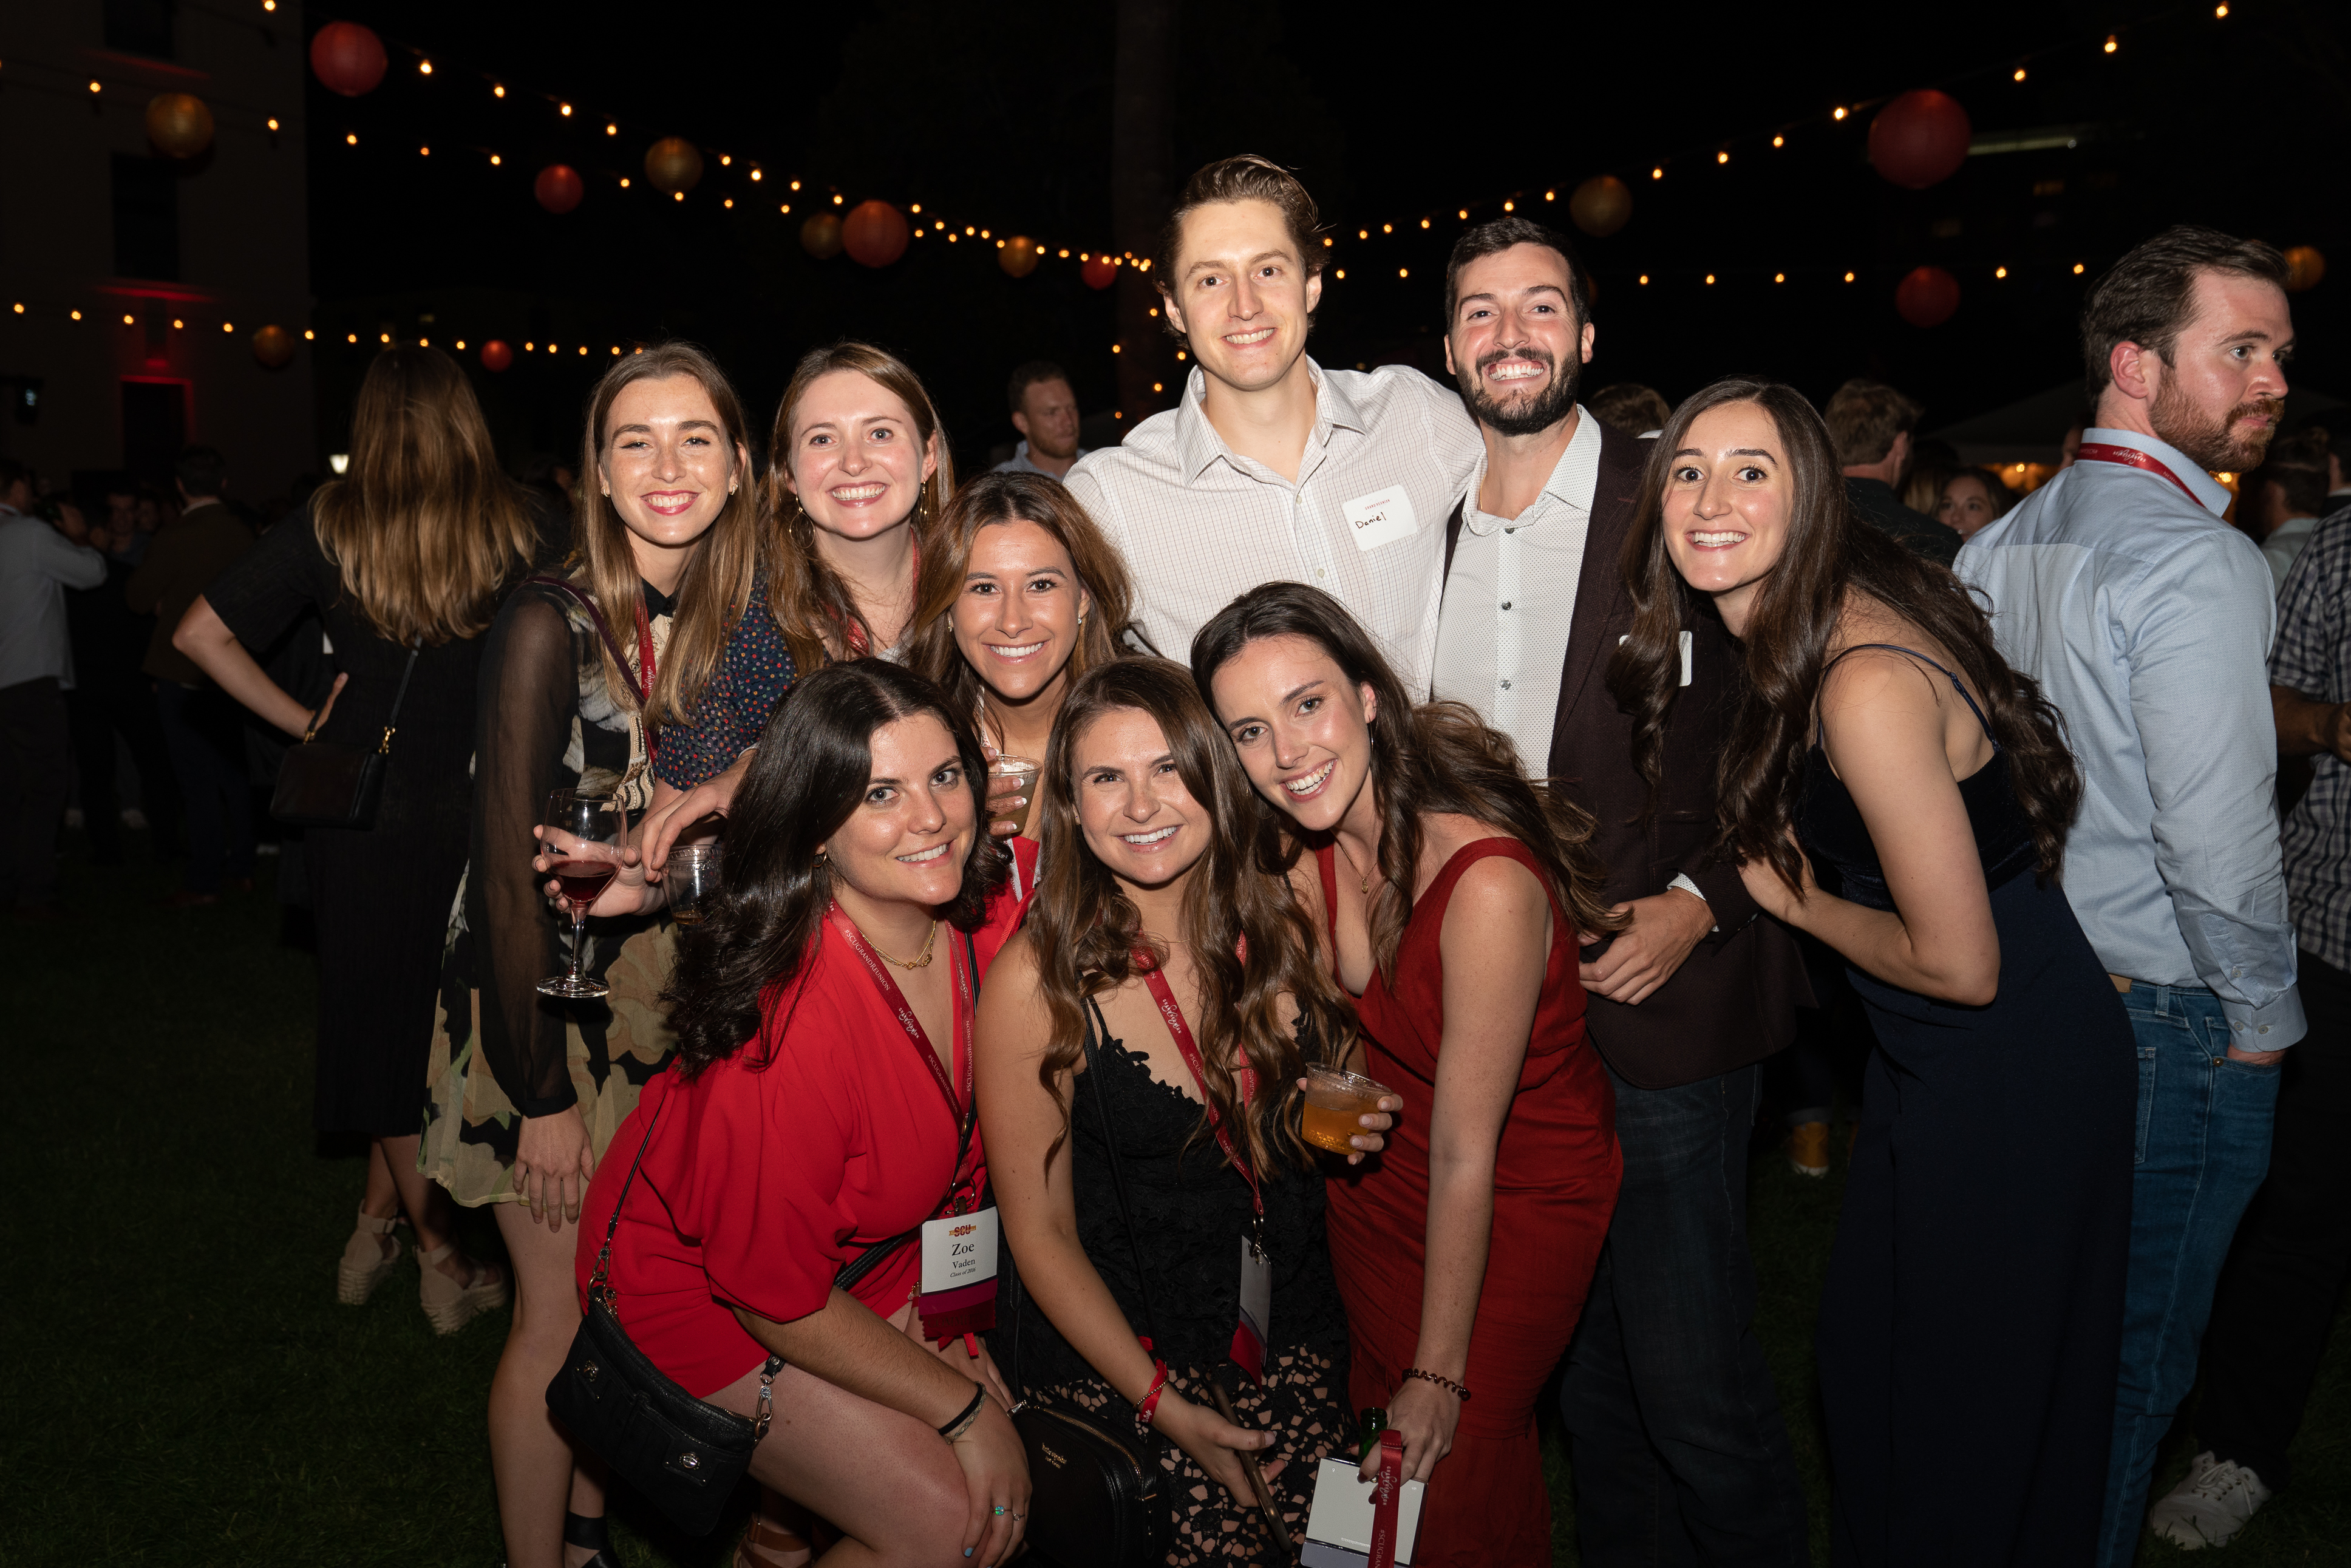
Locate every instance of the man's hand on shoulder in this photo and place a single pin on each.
(1666, 929)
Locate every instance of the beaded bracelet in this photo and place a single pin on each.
(967, 1416)
(1444, 1382)
(1147, 1407)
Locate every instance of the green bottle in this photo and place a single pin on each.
(1369, 1425)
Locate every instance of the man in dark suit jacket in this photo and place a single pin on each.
(1679, 1451)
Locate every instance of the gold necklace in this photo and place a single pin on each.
(920, 961)
(1364, 884)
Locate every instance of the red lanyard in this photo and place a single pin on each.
(896, 1000)
(1182, 1031)
(2132, 457)
(645, 667)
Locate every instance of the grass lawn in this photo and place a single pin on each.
(182, 1387)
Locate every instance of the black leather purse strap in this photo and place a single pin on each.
(399, 695)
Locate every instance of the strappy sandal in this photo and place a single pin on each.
(580, 1529)
(450, 1305)
(773, 1542)
(365, 1263)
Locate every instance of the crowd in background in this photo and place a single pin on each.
(1587, 780)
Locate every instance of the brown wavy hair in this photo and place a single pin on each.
(1434, 758)
(716, 584)
(814, 761)
(1830, 554)
(984, 502)
(807, 598)
(426, 529)
(1086, 931)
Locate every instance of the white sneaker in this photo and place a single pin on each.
(2210, 1506)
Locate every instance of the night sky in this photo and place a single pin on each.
(1000, 115)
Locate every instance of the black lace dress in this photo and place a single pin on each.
(1193, 1209)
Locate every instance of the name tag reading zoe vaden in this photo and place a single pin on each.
(958, 1270)
(1381, 517)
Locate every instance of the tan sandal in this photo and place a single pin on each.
(365, 1263)
(449, 1305)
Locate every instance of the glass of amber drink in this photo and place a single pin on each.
(1334, 1099)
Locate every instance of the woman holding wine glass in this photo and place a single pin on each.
(549, 1024)
(1167, 985)
(1457, 896)
(819, 1111)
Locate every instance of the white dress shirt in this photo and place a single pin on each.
(1364, 520)
(1509, 600)
(38, 564)
(2146, 620)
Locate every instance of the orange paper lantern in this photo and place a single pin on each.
(496, 354)
(874, 234)
(1098, 271)
(1920, 138)
(1926, 297)
(2303, 267)
(273, 346)
(348, 59)
(1601, 206)
(559, 188)
(1020, 256)
(821, 237)
(179, 125)
(674, 164)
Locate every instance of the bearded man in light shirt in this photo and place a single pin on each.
(1271, 468)
(2147, 621)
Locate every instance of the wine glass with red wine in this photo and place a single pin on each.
(586, 831)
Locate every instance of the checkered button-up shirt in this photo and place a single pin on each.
(1364, 520)
(2312, 656)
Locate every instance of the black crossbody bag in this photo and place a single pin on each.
(684, 1454)
(332, 784)
(1098, 1495)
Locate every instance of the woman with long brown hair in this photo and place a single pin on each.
(406, 558)
(1457, 896)
(1167, 984)
(583, 672)
(1972, 1319)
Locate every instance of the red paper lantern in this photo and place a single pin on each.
(874, 234)
(348, 59)
(273, 346)
(2303, 267)
(821, 237)
(1098, 271)
(179, 125)
(1926, 297)
(496, 354)
(674, 164)
(1020, 256)
(1920, 138)
(559, 188)
(1601, 206)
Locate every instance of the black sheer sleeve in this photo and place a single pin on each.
(529, 698)
(259, 594)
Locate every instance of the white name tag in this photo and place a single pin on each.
(1381, 517)
(1687, 644)
(1339, 1528)
(958, 1250)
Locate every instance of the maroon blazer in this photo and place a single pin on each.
(1732, 1002)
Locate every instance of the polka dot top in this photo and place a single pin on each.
(754, 671)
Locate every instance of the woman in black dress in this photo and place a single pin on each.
(1971, 1325)
(405, 559)
(1152, 903)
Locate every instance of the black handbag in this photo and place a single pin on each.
(331, 784)
(683, 1453)
(1098, 1494)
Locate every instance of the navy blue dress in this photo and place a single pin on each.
(1970, 1331)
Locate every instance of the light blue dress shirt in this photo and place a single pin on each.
(2147, 622)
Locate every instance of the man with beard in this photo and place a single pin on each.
(2147, 621)
(1679, 1449)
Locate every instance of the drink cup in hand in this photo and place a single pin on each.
(1023, 772)
(583, 834)
(692, 875)
(1335, 1098)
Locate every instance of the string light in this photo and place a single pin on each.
(1424, 223)
(796, 184)
(1550, 195)
(495, 162)
(567, 111)
(1465, 214)
(350, 336)
(624, 179)
(1342, 272)
(788, 207)
(460, 345)
(1839, 114)
(1778, 277)
(1403, 272)
(1645, 279)
(178, 325)
(424, 67)
(94, 85)
(350, 139)
(1658, 172)
(527, 348)
(838, 199)
(754, 174)
(20, 308)
(2219, 11)
(423, 343)
(1157, 386)
(129, 320)
(1114, 348)
(74, 314)
(497, 91)
(1779, 142)
(424, 153)
(1709, 279)
(680, 195)
(1509, 206)
(2019, 74)
(610, 128)
(725, 159)
(728, 203)
(1363, 234)
(2112, 43)
(273, 122)
(384, 337)
(1848, 278)
(307, 334)
(2077, 270)
(1722, 157)
(2000, 272)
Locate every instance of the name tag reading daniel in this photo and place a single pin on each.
(1381, 517)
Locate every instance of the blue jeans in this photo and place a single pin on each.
(2203, 1147)
(1673, 1424)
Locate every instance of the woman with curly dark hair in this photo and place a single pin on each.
(1457, 894)
(1972, 1318)
(820, 1110)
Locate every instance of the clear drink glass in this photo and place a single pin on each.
(586, 831)
(692, 877)
(1025, 772)
(1334, 1099)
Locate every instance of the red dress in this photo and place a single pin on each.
(776, 1167)
(1555, 1178)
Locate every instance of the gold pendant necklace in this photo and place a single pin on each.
(920, 961)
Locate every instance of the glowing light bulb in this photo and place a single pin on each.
(1839, 114)
(424, 67)
(497, 92)
(273, 122)
(567, 114)
(350, 139)
(2019, 76)
(1778, 277)
(1342, 272)
(1403, 272)
(1848, 278)
(1722, 157)
(1645, 278)
(1658, 172)
(2077, 270)
(2000, 272)
(610, 128)
(2112, 43)
(1779, 142)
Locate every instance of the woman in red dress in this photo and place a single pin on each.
(1456, 893)
(821, 1103)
